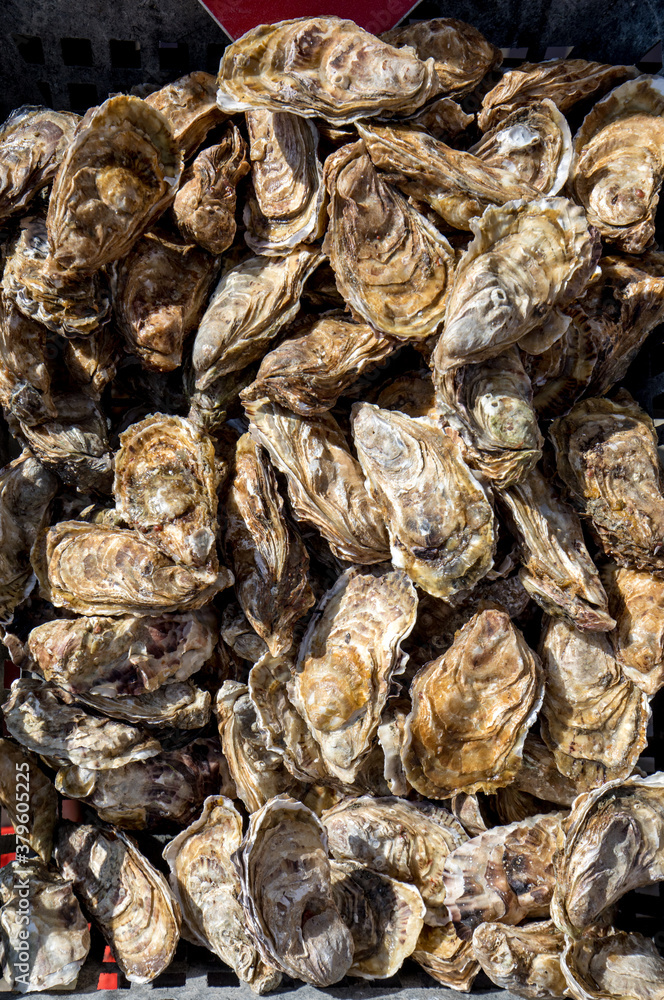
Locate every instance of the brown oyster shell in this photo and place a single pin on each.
(503, 875)
(207, 887)
(128, 899)
(25, 372)
(412, 394)
(525, 960)
(239, 635)
(614, 842)
(48, 952)
(20, 773)
(539, 777)
(99, 206)
(391, 265)
(321, 66)
(33, 140)
(606, 453)
(438, 517)
(204, 207)
(340, 684)
(92, 361)
(562, 373)
(178, 703)
(593, 718)
(472, 709)
(446, 957)
(288, 896)
(189, 105)
(444, 119)
(636, 600)
(618, 964)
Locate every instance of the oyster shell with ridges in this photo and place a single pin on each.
(525, 960)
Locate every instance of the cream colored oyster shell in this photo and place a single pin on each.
(288, 896)
(391, 736)
(636, 600)
(617, 964)
(20, 774)
(321, 66)
(438, 517)
(129, 900)
(207, 887)
(526, 260)
(392, 266)
(446, 957)
(33, 140)
(119, 173)
(189, 105)
(525, 960)
(340, 684)
(472, 709)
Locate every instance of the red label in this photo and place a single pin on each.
(237, 18)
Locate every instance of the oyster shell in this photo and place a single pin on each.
(526, 260)
(606, 453)
(238, 634)
(503, 875)
(340, 684)
(128, 899)
(472, 709)
(593, 718)
(46, 950)
(189, 105)
(614, 842)
(637, 603)
(118, 174)
(32, 143)
(391, 736)
(443, 118)
(614, 965)
(160, 295)
(619, 165)
(204, 207)
(438, 517)
(325, 482)
(286, 205)
(384, 917)
(563, 372)
(207, 887)
(20, 773)
(563, 81)
(25, 371)
(288, 896)
(92, 361)
(322, 66)
(408, 841)
(179, 703)
(525, 960)
(539, 776)
(412, 394)
(391, 265)
(446, 957)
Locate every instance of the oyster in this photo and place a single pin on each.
(637, 602)
(384, 917)
(614, 842)
(92, 361)
(438, 517)
(128, 899)
(525, 960)
(593, 718)
(563, 81)
(207, 887)
(391, 736)
(606, 453)
(503, 875)
(96, 569)
(322, 66)
(444, 119)
(391, 265)
(539, 776)
(118, 174)
(527, 260)
(32, 143)
(616, 965)
(288, 896)
(268, 557)
(557, 569)
(144, 794)
(286, 205)
(179, 704)
(25, 372)
(619, 164)
(347, 659)
(562, 373)
(472, 709)
(446, 957)
(204, 207)
(20, 774)
(408, 841)
(325, 482)
(309, 372)
(189, 105)
(238, 634)
(160, 295)
(461, 54)
(45, 941)
(43, 719)
(412, 394)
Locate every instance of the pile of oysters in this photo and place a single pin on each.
(332, 550)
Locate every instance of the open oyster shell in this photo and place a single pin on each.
(614, 842)
(525, 960)
(207, 887)
(189, 105)
(288, 896)
(99, 205)
(503, 875)
(616, 965)
(637, 603)
(408, 841)
(46, 951)
(322, 66)
(446, 957)
(438, 517)
(392, 266)
(340, 684)
(129, 900)
(20, 774)
(472, 709)
(33, 140)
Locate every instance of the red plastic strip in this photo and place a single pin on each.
(108, 981)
